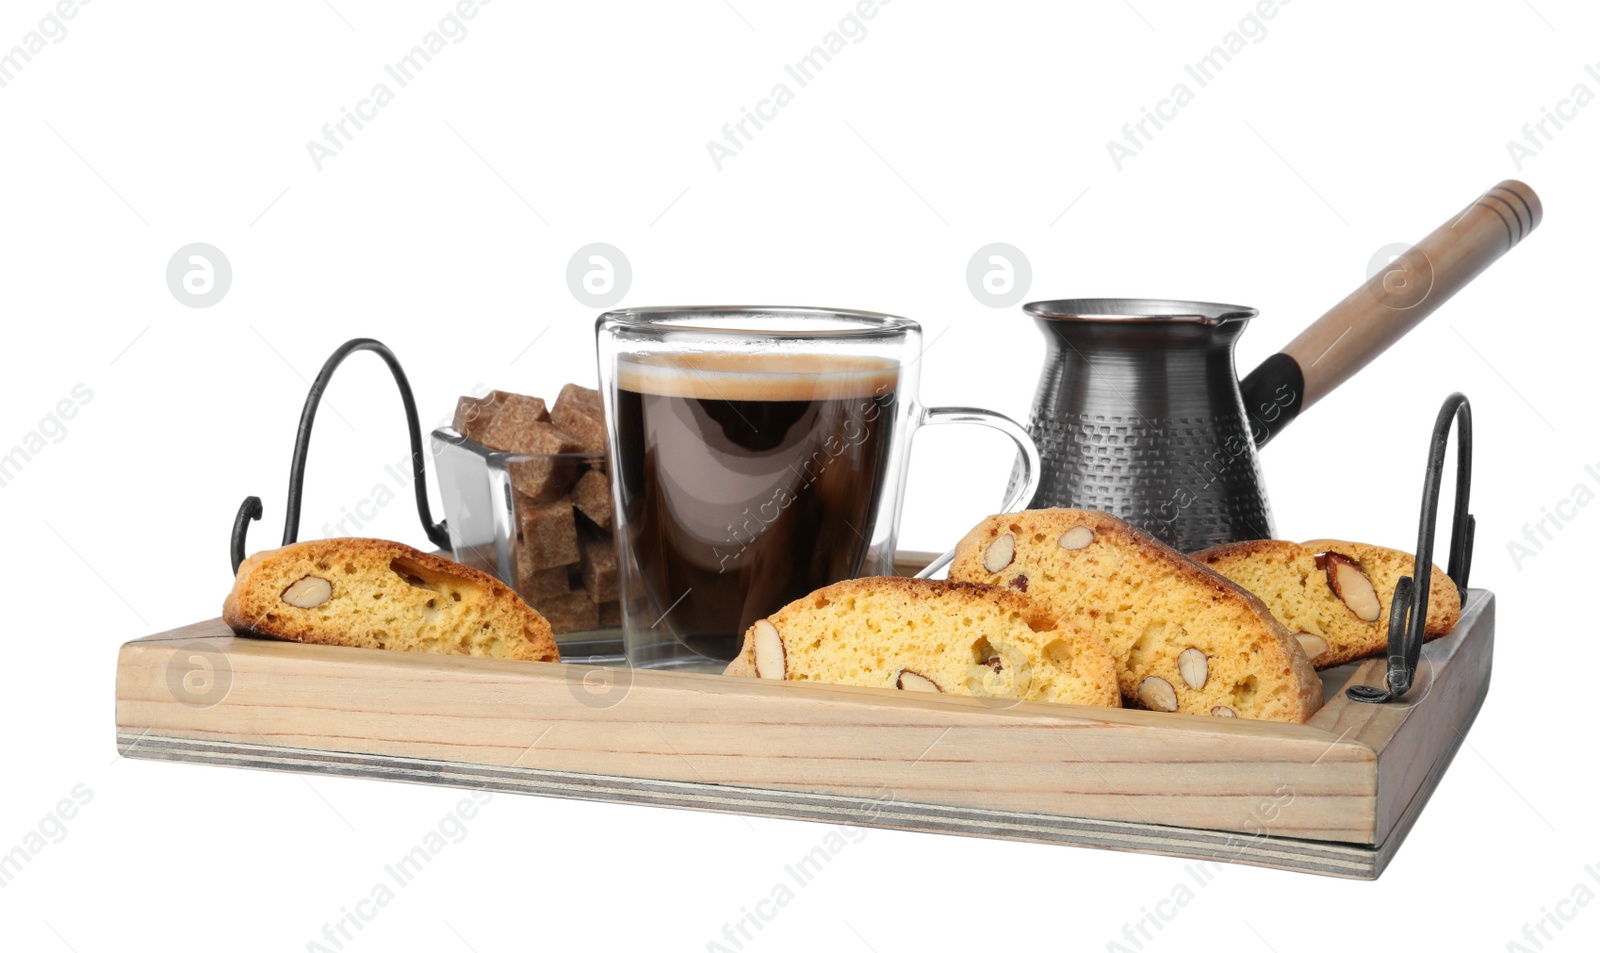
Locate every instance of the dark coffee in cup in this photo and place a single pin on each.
(748, 480)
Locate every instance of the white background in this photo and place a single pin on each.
(444, 228)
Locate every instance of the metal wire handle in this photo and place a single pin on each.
(251, 508)
(1408, 611)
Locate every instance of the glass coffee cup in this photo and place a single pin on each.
(758, 454)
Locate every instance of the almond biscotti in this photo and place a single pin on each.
(1185, 638)
(373, 593)
(1332, 594)
(922, 635)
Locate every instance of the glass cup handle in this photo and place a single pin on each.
(1027, 454)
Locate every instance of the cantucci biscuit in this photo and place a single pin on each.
(1332, 595)
(373, 593)
(1185, 638)
(929, 636)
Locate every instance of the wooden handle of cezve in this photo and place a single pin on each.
(1392, 302)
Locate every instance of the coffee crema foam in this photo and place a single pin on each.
(778, 376)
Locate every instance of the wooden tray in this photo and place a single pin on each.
(1335, 796)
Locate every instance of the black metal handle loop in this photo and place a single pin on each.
(1408, 611)
(251, 508)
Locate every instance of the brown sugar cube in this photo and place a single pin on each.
(500, 397)
(579, 412)
(572, 612)
(514, 424)
(600, 570)
(610, 615)
(592, 496)
(549, 533)
(472, 415)
(543, 477)
(534, 584)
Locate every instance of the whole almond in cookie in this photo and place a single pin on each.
(1352, 585)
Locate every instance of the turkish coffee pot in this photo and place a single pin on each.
(1139, 411)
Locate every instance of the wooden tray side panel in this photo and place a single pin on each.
(1317, 857)
(1130, 766)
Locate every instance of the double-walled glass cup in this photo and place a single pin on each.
(758, 454)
